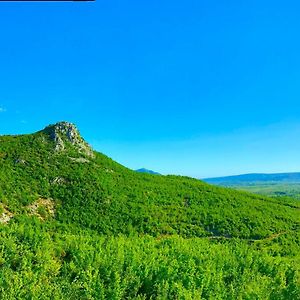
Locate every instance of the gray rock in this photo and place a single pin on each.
(63, 133)
(20, 161)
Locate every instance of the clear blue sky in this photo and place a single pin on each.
(199, 88)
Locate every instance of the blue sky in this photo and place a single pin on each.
(199, 88)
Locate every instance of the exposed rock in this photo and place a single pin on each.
(63, 133)
(59, 180)
(42, 208)
(20, 161)
(79, 159)
(5, 216)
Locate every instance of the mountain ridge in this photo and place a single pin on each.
(144, 170)
(292, 177)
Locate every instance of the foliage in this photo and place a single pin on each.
(119, 234)
(37, 263)
(272, 189)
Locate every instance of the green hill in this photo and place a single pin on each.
(143, 170)
(76, 224)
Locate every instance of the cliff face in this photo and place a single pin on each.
(64, 133)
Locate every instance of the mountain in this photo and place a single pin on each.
(255, 178)
(76, 224)
(91, 190)
(143, 170)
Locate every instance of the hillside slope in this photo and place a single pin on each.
(93, 191)
(74, 224)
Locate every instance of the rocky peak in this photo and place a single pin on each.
(63, 133)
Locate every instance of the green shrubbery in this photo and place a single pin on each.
(118, 234)
(37, 263)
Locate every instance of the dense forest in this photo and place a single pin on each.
(74, 224)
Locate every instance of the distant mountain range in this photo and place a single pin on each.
(143, 170)
(255, 178)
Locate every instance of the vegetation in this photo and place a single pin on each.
(273, 185)
(119, 234)
(273, 189)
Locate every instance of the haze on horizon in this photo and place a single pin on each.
(198, 89)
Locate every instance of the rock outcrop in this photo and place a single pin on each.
(42, 208)
(5, 215)
(64, 133)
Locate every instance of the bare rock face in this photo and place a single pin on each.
(5, 216)
(64, 132)
(42, 208)
(59, 181)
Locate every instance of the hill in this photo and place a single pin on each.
(77, 224)
(143, 170)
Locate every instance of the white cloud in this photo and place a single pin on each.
(2, 109)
